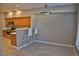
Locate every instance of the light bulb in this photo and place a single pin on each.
(10, 13)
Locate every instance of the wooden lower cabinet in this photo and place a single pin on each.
(13, 39)
(4, 33)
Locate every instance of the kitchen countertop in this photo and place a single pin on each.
(5, 28)
(16, 28)
(13, 33)
(22, 28)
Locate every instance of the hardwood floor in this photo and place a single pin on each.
(37, 49)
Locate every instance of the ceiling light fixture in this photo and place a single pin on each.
(45, 12)
(17, 8)
(18, 12)
(10, 13)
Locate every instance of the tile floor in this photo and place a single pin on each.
(37, 49)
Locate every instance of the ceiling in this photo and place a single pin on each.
(5, 7)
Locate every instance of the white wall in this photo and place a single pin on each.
(77, 41)
(1, 26)
(57, 28)
(0, 43)
(2, 20)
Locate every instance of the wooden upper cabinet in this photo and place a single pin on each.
(8, 21)
(20, 21)
(17, 22)
(26, 21)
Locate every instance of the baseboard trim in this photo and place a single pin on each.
(23, 45)
(75, 51)
(26, 44)
(54, 43)
(77, 46)
(43, 42)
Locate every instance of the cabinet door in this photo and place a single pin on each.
(8, 21)
(17, 22)
(26, 21)
(13, 39)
